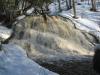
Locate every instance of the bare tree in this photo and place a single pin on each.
(67, 5)
(59, 5)
(93, 5)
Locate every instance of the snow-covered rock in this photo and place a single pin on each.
(14, 61)
(5, 33)
(88, 21)
(29, 11)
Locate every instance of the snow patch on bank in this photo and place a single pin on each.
(5, 33)
(14, 61)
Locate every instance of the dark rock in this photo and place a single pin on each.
(96, 59)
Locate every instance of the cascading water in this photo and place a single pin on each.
(54, 40)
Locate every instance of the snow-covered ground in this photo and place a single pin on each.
(83, 12)
(88, 21)
(84, 24)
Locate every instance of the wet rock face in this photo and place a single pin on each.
(14, 61)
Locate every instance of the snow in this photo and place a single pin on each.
(20, 17)
(83, 11)
(82, 23)
(5, 33)
(88, 24)
(29, 11)
(87, 20)
(14, 61)
(52, 9)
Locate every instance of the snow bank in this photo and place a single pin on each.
(52, 8)
(85, 24)
(82, 23)
(20, 17)
(5, 33)
(88, 24)
(14, 61)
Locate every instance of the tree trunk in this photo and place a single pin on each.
(67, 5)
(70, 4)
(93, 5)
(74, 9)
(59, 5)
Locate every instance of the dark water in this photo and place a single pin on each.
(72, 68)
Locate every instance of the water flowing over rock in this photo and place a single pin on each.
(14, 61)
(54, 39)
